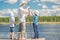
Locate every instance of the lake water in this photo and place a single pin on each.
(47, 31)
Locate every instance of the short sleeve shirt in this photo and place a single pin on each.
(11, 19)
(21, 15)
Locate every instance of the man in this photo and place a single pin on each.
(12, 22)
(21, 17)
(35, 24)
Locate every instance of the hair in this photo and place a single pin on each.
(22, 4)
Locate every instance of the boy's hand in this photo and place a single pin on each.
(15, 23)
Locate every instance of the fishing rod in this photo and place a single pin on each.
(30, 23)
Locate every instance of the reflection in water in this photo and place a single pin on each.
(48, 31)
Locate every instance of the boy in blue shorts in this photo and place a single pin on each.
(12, 24)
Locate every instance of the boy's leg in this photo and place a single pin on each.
(12, 33)
(36, 31)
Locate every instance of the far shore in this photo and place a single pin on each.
(3, 23)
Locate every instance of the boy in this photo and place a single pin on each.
(35, 24)
(12, 24)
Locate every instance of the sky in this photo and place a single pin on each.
(33, 4)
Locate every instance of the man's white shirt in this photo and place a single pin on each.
(21, 14)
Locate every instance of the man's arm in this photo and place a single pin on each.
(28, 13)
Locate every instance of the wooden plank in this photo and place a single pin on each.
(37, 39)
(26, 39)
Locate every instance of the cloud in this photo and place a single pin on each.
(2, 12)
(37, 0)
(15, 10)
(51, 12)
(25, 0)
(58, 14)
(34, 1)
(39, 4)
(10, 1)
(43, 12)
(44, 6)
(48, 12)
(5, 12)
(55, 1)
(55, 7)
(47, 0)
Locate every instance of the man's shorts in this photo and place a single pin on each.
(21, 28)
(11, 29)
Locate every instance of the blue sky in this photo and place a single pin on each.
(33, 5)
(4, 5)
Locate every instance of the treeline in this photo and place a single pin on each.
(45, 19)
(40, 19)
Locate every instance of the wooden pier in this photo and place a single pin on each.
(26, 39)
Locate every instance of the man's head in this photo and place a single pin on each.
(22, 3)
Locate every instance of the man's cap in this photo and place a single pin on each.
(23, 2)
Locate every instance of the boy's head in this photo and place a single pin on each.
(36, 12)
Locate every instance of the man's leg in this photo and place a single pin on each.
(22, 31)
(19, 31)
(18, 36)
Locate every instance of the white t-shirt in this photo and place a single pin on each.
(21, 15)
(11, 19)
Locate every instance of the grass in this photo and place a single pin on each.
(31, 22)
